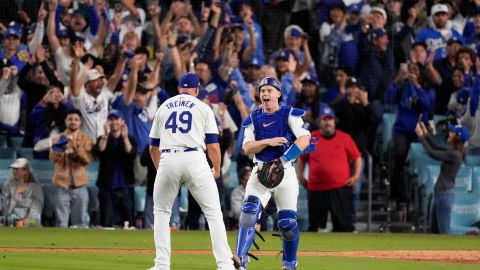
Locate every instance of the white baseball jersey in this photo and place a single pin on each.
(183, 121)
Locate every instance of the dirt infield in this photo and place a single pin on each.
(451, 256)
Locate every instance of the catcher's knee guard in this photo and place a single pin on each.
(251, 210)
(288, 226)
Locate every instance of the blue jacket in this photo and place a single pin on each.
(414, 105)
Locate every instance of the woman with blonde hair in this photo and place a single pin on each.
(22, 196)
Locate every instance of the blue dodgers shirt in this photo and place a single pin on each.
(136, 118)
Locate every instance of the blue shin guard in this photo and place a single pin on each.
(287, 224)
(251, 210)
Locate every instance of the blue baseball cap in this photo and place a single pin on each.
(12, 31)
(377, 33)
(189, 80)
(463, 95)
(293, 31)
(326, 111)
(283, 55)
(454, 40)
(354, 8)
(63, 33)
(461, 132)
(115, 113)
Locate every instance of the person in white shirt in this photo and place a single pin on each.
(183, 129)
(92, 99)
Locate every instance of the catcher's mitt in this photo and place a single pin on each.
(271, 173)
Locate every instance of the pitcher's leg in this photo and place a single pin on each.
(164, 192)
(206, 194)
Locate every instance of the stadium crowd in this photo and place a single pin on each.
(81, 81)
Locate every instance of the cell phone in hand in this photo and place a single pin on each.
(118, 6)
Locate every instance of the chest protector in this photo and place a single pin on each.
(268, 126)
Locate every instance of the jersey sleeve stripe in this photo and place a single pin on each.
(154, 142)
(211, 138)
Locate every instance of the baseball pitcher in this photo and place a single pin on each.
(183, 128)
(270, 133)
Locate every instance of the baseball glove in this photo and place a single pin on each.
(271, 173)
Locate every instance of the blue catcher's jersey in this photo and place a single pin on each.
(273, 125)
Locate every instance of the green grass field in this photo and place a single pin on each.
(119, 239)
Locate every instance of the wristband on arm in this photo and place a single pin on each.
(292, 153)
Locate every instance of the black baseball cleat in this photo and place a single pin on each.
(236, 262)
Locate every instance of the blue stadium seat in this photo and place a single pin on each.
(183, 204)
(42, 170)
(388, 119)
(476, 179)
(3, 141)
(302, 209)
(92, 169)
(16, 142)
(431, 173)
(25, 153)
(463, 181)
(418, 158)
(5, 171)
(465, 213)
(472, 160)
(140, 195)
(8, 153)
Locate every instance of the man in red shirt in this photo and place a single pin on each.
(330, 179)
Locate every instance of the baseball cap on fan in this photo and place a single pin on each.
(115, 113)
(352, 81)
(326, 111)
(189, 80)
(377, 33)
(19, 163)
(461, 131)
(379, 10)
(439, 8)
(94, 74)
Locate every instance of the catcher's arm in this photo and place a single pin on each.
(253, 147)
(296, 149)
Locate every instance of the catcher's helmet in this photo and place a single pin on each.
(269, 81)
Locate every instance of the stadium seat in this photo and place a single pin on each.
(25, 153)
(465, 213)
(140, 194)
(92, 169)
(183, 205)
(388, 119)
(472, 160)
(3, 141)
(8, 153)
(16, 142)
(476, 179)
(418, 158)
(431, 173)
(5, 171)
(463, 181)
(302, 209)
(42, 170)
